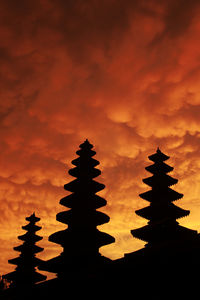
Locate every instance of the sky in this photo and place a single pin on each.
(123, 74)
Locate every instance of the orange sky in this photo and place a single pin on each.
(125, 75)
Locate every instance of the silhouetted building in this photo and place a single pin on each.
(25, 272)
(169, 245)
(167, 266)
(162, 213)
(81, 240)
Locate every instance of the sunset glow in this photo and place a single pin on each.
(123, 74)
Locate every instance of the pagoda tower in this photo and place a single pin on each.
(81, 240)
(162, 214)
(25, 272)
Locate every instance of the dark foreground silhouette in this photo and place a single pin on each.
(166, 268)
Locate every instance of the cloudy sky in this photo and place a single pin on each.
(125, 75)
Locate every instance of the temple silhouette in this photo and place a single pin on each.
(162, 231)
(81, 240)
(25, 273)
(170, 257)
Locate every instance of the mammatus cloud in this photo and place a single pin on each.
(126, 76)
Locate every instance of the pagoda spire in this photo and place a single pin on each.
(81, 240)
(162, 213)
(25, 272)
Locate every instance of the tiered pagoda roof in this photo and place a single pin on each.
(162, 213)
(25, 272)
(81, 240)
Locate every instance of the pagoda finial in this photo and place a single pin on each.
(86, 145)
(87, 142)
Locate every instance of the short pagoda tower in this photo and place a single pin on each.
(81, 240)
(162, 214)
(25, 273)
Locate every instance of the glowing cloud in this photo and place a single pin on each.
(125, 75)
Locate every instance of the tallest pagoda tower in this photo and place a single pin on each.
(82, 239)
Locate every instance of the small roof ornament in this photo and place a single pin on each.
(86, 145)
(158, 156)
(33, 218)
